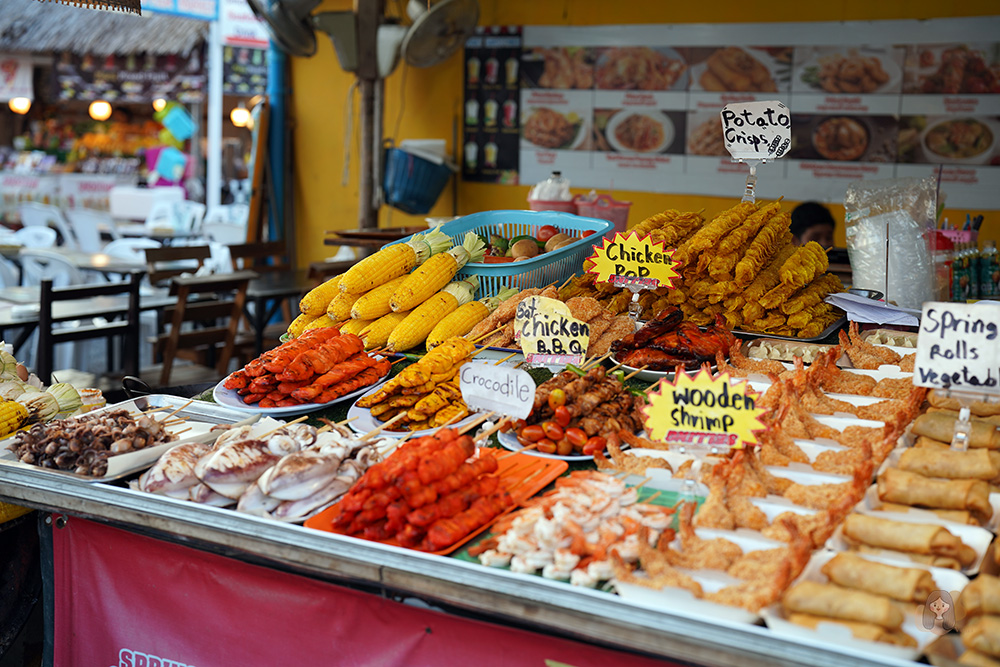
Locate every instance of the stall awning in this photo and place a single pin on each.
(131, 6)
(32, 26)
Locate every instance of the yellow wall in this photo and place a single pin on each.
(432, 101)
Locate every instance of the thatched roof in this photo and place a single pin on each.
(32, 26)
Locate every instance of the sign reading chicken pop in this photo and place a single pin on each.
(548, 333)
(704, 411)
(629, 259)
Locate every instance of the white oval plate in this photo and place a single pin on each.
(365, 422)
(231, 399)
(657, 117)
(509, 441)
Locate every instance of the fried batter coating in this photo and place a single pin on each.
(769, 240)
(710, 234)
(813, 293)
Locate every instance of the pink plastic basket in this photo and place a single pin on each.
(606, 208)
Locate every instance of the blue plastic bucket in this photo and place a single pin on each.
(411, 183)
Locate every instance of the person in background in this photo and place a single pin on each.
(812, 221)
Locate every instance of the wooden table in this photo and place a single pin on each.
(369, 240)
(267, 293)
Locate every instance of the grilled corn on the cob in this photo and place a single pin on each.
(354, 326)
(393, 261)
(13, 416)
(419, 323)
(321, 322)
(375, 303)
(377, 333)
(435, 273)
(315, 302)
(340, 306)
(41, 406)
(462, 320)
(299, 324)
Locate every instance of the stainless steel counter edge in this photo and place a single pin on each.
(586, 614)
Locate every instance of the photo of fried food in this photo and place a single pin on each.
(637, 68)
(735, 69)
(640, 133)
(960, 69)
(847, 74)
(840, 138)
(566, 67)
(706, 139)
(550, 129)
(962, 138)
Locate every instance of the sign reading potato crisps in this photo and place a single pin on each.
(629, 259)
(548, 333)
(705, 412)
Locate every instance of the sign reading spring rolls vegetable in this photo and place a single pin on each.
(628, 259)
(502, 389)
(757, 130)
(548, 333)
(959, 348)
(704, 412)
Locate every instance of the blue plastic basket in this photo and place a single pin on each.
(555, 266)
(411, 183)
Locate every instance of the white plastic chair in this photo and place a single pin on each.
(130, 248)
(162, 215)
(225, 233)
(9, 275)
(86, 228)
(35, 214)
(191, 214)
(36, 237)
(38, 265)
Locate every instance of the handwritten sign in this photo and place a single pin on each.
(704, 411)
(628, 259)
(502, 389)
(958, 347)
(757, 130)
(548, 332)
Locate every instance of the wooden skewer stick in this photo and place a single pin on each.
(183, 430)
(594, 362)
(397, 361)
(482, 349)
(486, 335)
(512, 354)
(566, 282)
(520, 363)
(642, 483)
(525, 480)
(371, 434)
(476, 422)
(324, 429)
(346, 421)
(615, 367)
(485, 436)
(177, 410)
(652, 497)
(275, 430)
(635, 372)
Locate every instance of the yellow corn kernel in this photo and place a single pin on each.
(420, 285)
(415, 328)
(377, 333)
(321, 322)
(458, 323)
(340, 306)
(354, 327)
(315, 302)
(300, 323)
(375, 303)
(13, 416)
(378, 269)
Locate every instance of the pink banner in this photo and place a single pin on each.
(124, 600)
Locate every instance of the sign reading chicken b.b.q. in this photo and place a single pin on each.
(703, 411)
(629, 259)
(548, 333)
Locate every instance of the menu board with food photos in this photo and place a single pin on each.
(637, 107)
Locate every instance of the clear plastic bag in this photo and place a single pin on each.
(888, 226)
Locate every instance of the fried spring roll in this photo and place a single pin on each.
(907, 584)
(950, 464)
(955, 516)
(918, 538)
(977, 659)
(982, 596)
(869, 631)
(907, 488)
(979, 408)
(810, 597)
(941, 426)
(983, 634)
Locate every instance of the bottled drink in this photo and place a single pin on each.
(989, 271)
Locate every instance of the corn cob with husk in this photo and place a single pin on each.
(318, 298)
(466, 317)
(41, 406)
(393, 261)
(375, 303)
(13, 416)
(418, 324)
(377, 333)
(435, 273)
(67, 398)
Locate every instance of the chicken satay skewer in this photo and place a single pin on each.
(371, 434)
(485, 335)
(635, 372)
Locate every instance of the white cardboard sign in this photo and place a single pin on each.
(959, 347)
(502, 389)
(757, 130)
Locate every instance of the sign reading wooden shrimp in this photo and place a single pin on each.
(704, 411)
(548, 333)
(633, 260)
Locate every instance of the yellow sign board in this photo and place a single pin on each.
(548, 333)
(704, 411)
(628, 259)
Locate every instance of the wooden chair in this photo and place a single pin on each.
(170, 261)
(320, 272)
(199, 301)
(255, 256)
(128, 329)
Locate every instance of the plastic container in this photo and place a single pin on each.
(559, 206)
(555, 266)
(411, 183)
(606, 207)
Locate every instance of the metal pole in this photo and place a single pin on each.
(213, 184)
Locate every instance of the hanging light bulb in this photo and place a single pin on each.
(100, 110)
(159, 104)
(19, 105)
(240, 115)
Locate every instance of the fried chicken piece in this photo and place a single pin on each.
(584, 308)
(906, 363)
